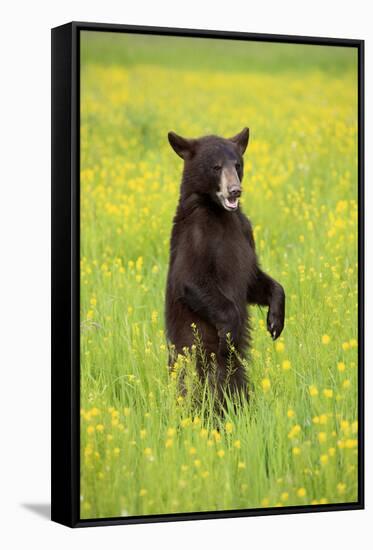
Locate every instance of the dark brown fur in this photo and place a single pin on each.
(214, 272)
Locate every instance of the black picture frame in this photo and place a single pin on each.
(65, 270)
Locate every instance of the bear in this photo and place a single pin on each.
(214, 272)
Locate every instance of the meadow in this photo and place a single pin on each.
(144, 448)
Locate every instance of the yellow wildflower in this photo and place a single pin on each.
(186, 422)
(280, 346)
(154, 316)
(229, 427)
(203, 433)
(323, 418)
(295, 430)
(216, 435)
(322, 437)
(286, 365)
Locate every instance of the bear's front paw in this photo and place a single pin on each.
(275, 323)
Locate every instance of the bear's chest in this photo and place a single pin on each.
(234, 258)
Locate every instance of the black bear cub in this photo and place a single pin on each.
(214, 272)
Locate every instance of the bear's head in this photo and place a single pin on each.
(213, 166)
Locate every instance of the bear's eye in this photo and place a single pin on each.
(238, 166)
(217, 167)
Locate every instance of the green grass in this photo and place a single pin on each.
(144, 451)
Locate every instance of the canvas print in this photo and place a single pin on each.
(218, 275)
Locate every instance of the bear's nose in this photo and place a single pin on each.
(234, 192)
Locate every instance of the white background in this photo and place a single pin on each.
(25, 272)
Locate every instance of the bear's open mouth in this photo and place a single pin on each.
(231, 203)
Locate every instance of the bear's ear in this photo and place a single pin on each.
(241, 140)
(182, 146)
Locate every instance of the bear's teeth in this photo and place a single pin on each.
(232, 203)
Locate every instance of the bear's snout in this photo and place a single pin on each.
(234, 192)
